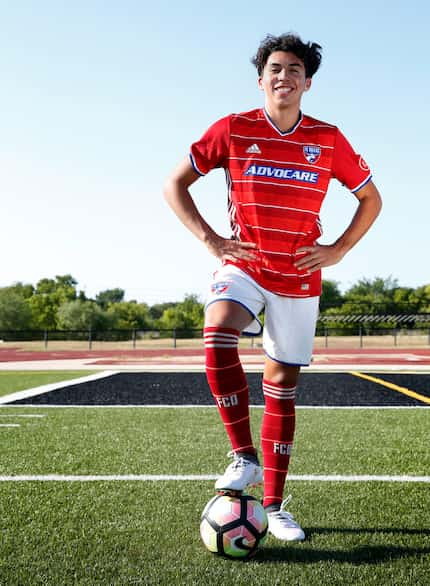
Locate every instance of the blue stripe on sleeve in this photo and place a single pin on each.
(196, 169)
(362, 184)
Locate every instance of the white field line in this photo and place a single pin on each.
(33, 416)
(9, 425)
(19, 395)
(198, 477)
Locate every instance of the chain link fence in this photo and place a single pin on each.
(348, 331)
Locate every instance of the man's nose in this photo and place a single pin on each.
(282, 75)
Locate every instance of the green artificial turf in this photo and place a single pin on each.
(147, 532)
(12, 381)
(192, 441)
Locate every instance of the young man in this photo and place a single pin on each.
(278, 164)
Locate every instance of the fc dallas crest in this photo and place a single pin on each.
(312, 153)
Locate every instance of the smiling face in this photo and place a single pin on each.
(283, 81)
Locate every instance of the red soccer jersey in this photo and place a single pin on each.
(276, 183)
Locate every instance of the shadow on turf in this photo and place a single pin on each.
(311, 531)
(371, 555)
(363, 554)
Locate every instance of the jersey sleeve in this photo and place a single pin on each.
(211, 150)
(348, 167)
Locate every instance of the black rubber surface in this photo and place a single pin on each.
(183, 388)
(418, 383)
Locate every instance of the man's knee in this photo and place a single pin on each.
(227, 314)
(281, 374)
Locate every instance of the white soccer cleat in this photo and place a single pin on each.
(283, 526)
(240, 474)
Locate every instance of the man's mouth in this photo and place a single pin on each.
(283, 89)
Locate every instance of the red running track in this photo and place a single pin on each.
(394, 356)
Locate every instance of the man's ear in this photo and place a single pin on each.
(308, 83)
(260, 83)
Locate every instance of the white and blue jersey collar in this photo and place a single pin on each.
(278, 130)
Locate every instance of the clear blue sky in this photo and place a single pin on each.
(100, 99)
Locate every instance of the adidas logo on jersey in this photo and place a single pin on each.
(253, 149)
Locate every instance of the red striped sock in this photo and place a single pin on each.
(277, 434)
(228, 384)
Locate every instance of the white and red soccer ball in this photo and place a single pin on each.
(233, 526)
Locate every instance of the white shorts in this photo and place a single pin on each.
(289, 322)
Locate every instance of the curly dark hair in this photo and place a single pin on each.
(309, 53)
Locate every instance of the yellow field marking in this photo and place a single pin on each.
(393, 387)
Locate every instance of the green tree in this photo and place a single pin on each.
(366, 297)
(15, 312)
(129, 315)
(48, 296)
(24, 290)
(104, 298)
(331, 295)
(186, 315)
(420, 297)
(371, 296)
(158, 309)
(81, 315)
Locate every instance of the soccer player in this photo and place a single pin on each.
(278, 164)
